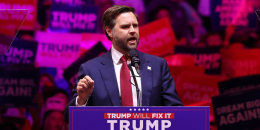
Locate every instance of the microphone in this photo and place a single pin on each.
(135, 60)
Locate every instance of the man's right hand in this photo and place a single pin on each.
(85, 88)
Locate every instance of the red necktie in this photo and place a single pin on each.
(125, 85)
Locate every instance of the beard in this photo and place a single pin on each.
(122, 43)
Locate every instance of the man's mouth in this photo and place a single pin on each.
(132, 40)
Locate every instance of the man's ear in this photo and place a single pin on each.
(109, 32)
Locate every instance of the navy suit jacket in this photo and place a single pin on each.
(158, 87)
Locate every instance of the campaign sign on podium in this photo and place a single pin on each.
(141, 118)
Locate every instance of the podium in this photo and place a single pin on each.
(139, 118)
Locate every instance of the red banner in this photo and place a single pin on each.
(177, 70)
(157, 38)
(30, 5)
(236, 63)
(195, 87)
(11, 21)
(180, 60)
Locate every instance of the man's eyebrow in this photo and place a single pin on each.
(128, 24)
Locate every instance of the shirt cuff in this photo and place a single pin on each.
(80, 105)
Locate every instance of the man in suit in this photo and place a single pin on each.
(106, 81)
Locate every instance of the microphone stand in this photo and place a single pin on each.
(136, 85)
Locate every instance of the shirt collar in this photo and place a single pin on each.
(116, 55)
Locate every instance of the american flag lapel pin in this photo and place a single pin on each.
(149, 68)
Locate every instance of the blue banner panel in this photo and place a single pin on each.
(239, 84)
(22, 52)
(18, 85)
(78, 19)
(158, 118)
(239, 111)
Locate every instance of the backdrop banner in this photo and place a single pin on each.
(68, 18)
(208, 57)
(157, 38)
(234, 12)
(240, 84)
(238, 111)
(18, 85)
(19, 9)
(20, 52)
(57, 49)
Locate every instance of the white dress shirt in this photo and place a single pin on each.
(116, 55)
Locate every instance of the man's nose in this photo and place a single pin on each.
(132, 29)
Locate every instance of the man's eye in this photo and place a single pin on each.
(125, 26)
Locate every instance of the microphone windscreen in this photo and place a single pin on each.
(133, 53)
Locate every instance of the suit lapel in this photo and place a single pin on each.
(146, 79)
(109, 77)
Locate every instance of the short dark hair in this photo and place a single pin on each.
(111, 13)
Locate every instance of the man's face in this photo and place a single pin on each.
(125, 34)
